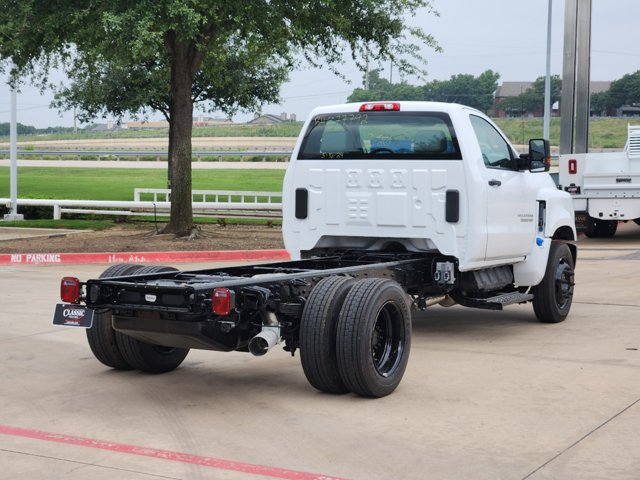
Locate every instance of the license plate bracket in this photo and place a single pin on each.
(69, 315)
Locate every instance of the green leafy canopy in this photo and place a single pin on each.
(123, 56)
(118, 54)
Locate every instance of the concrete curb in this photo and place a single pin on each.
(141, 257)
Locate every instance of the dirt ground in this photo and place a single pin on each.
(136, 238)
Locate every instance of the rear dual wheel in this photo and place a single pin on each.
(101, 336)
(318, 333)
(374, 337)
(356, 336)
(119, 351)
(602, 228)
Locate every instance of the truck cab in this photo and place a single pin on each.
(421, 176)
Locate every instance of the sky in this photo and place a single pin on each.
(506, 36)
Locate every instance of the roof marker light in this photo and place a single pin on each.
(380, 107)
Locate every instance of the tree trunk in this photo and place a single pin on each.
(180, 127)
(169, 153)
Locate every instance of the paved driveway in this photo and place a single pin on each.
(487, 395)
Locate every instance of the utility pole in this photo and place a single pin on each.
(13, 160)
(366, 74)
(576, 71)
(547, 80)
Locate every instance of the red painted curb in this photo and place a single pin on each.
(211, 462)
(141, 257)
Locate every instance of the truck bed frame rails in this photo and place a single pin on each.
(189, 293)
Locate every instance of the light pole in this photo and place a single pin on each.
(547, 80)
(13, 160)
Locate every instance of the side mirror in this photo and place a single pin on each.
(539, 157)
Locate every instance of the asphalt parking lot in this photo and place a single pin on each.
(487, 395)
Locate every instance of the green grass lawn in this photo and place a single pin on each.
(603, 132)
(63, 223)
(118, 184)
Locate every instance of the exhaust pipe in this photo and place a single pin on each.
(264, 341)
(268, 338)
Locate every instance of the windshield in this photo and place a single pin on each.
(380, 135)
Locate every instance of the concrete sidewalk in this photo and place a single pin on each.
(486, 395)
(14, 233)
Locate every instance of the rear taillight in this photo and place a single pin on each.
(573, 166)
(380, 107)
(70, 290)
(222, 301)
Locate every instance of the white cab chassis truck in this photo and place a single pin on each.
(389, 207)
(605, 187)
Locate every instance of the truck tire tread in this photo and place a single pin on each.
(101, 336)
(359, 317)
(552, 297)
(150, 358)
(318, 327)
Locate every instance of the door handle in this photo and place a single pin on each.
(495, 183)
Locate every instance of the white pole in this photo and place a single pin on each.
(547, 81)
(13, 160)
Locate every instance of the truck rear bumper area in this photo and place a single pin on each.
(176, 333)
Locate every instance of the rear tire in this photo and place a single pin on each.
(145, 356)
(374, 337)
(318, 328)
(148, 357)
(553, 296)
(101, 336)
(602, 228)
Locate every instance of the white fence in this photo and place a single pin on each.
(219, 203)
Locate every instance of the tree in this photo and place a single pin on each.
(477, 92)
(624, 91)
(381, 89)
(5, 129)
(532, 99)
(124, 56)
(599, 103)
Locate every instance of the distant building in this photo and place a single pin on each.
(202, 121)
(148, 125)
(199, 121)
(268, 119)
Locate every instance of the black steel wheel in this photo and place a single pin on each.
(374, 337)
(553, 296)
(318, 333)
(101, 336)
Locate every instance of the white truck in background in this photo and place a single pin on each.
(605, 187)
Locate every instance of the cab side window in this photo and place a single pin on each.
(496, 152)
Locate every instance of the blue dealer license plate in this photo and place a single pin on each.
(73, 315)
